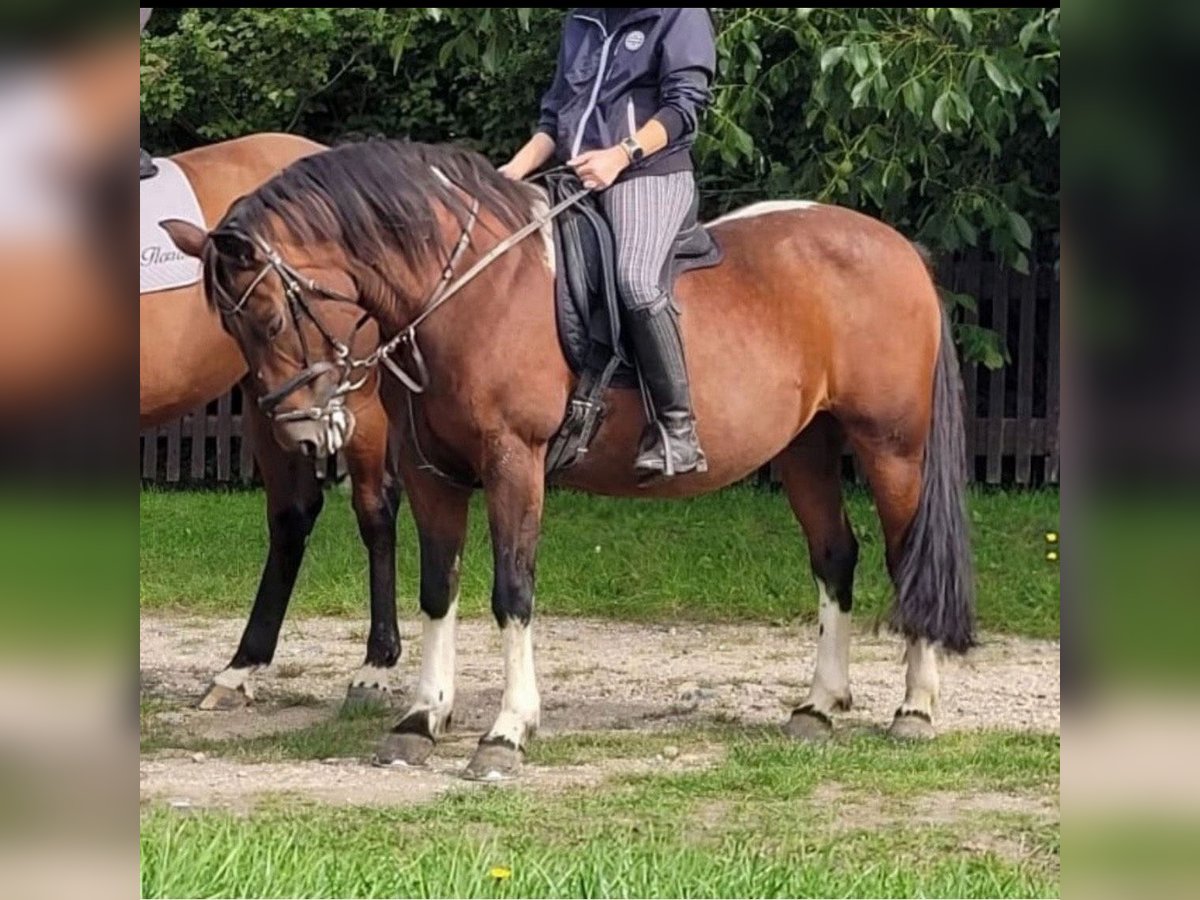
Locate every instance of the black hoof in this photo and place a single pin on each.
(911, 725)
(808, 724)
(406, 749)
(221, 697)
(360, 697)
(494, 761)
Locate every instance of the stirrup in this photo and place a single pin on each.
(659, 461)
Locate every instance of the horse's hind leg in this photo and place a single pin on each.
(375, 499)
(894, 473)
(811, 470)
(440, 511)
(294, 501)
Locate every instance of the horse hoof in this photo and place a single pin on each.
(809, 725)
(365, 698)
(911, 725)
(221, 697)
(494, 761)
(407, 749)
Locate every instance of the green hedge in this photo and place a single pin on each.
(942, 122)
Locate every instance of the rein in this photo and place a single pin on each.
(295, 285)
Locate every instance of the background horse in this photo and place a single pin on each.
(821, 326)
(187, 359)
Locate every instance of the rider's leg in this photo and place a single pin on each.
(646, 214)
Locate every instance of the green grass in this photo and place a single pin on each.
(750, 826)
(733, 556)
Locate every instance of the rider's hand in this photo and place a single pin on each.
(598, 169)
(512, 171)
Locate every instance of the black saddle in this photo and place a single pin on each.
(588, 306)
(146, 166)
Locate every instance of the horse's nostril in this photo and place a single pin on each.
(308, 448)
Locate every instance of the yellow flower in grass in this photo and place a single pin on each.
(1051, 537)
(1052, 556)
(500, 873)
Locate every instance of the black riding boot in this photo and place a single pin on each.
(669, 445)
(146, 166)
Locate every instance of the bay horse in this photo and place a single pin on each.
(188, 359)
(821, 326)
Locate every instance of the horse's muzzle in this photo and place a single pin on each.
(317, 437)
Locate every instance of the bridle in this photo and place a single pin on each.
(296, 286)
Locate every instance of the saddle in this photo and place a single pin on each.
(588, 307)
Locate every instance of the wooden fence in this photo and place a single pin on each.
(1011, 421)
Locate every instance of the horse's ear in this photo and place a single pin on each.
(188, 237)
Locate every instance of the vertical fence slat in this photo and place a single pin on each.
(969, 281)
(174, 450)
(150, 454)
(1025, 351)
(995, 433)
(224, 436)
(199, 432)
(246, 451)
(1052, 381)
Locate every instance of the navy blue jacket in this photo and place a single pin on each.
(618, 68)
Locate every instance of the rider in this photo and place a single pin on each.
(146, 166)
(622, 112)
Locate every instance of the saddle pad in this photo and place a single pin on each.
(168, 195)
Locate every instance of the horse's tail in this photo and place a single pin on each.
(935, 584)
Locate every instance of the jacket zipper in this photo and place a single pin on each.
(591, 107)
(632, 120)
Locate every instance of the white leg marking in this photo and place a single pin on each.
(921, 679)
(435, 685)
(520, 709)
(237, 679)
(369, 676)
(831, 681)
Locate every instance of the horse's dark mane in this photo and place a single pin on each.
(378, 196)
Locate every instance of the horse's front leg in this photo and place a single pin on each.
(375, 499)
(440, 511)
(514, 480)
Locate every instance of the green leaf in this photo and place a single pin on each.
(832, 57)
(914, 97)
(488, 59)
(941, 113)
(859, 92)
(523, 16)
(1022, 233)
(999, 78)
(742, 141)
(1021, 264)
(1052, 123)
(968, 231)
(1025, 38)
(859, 59)
(962, 105)
(963, 18)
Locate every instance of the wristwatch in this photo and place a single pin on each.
(633, 149)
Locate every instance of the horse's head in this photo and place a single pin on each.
(307, 269)
(293, 311)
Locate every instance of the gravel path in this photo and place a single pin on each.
(593, 675)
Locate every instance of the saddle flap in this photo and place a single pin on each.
(587, 301)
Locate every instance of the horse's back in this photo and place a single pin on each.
(815, 307)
